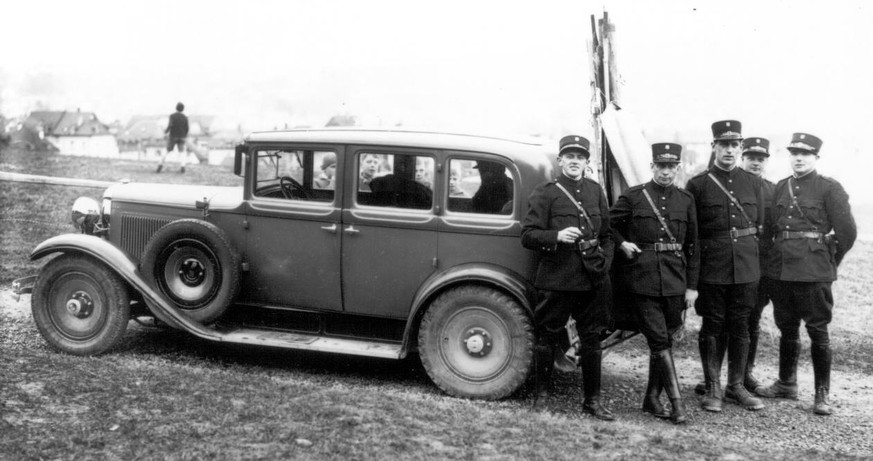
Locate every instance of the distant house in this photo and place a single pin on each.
(70, 132)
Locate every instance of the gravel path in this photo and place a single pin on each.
(783, 426)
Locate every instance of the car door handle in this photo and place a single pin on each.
(331, 228)
(351, 230)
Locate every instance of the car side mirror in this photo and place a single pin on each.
(237, 159)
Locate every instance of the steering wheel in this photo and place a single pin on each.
(291, 188)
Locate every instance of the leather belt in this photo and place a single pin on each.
(789, 235)
(736, 233)
(583, 245)
(660, 246)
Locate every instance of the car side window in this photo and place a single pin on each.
(292, 174)
(395, 180)
(479, 186)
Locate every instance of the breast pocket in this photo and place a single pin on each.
(750, 206)
(564, 215)
(710, 210)
(678, 223)
(815, 212)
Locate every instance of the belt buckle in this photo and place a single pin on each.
(735, 233)
(659, 246)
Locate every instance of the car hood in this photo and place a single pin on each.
(219, 197)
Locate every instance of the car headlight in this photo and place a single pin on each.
(86, 213)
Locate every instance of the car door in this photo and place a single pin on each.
(293, 217)
(389, 238)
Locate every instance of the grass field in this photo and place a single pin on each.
(163, 394)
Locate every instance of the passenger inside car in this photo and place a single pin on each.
(399, 189)
(495, 189)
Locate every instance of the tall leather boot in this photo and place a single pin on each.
(712, 398)
(652, 400)
(590, 362)
(543, 364)
(786, 386)
(671, 384)
(721, 348)
(821, 366)
(749, 381)
(738, 353)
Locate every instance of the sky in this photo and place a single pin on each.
(495, 67)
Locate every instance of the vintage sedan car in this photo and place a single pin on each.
(374, 243)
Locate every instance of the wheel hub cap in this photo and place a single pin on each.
(80, 305)
(478, 342)
(192, 272)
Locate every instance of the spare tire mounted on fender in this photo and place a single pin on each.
(193, 263)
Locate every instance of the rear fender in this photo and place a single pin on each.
(491, 275)
(127, 269)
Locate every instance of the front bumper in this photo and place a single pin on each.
(22, 286)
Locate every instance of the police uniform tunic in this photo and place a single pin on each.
(729, 264)
(560, 271)
(726, 259)
(657, 278)
(802, 262)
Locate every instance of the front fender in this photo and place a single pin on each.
(127, 269)
(481, 273)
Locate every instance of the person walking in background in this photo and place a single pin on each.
(176, 131)
(730, 211)
(812, 229)
(567, 223)
(655, 227)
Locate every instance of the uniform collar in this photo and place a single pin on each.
(569, 182)
(722, 172)
(653, 185)
(811, 175)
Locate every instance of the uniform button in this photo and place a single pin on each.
(663, 208)
(730, 180)
(733, 216)
(660, 239)
(735, 240)
(663, 198)
(734, 228)
(577, 190)
(787, 226)
(732, 192)
(662, 228)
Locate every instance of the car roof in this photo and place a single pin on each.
(525, 152)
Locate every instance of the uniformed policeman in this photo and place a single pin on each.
(568, 224)
(655, 227)
(756, 153)
(812, 228)
(730, 211)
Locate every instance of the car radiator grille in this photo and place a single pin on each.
(137, 230)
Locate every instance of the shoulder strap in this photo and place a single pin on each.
(578, 207)
(658, 214)
(797, 205)
(731, 197)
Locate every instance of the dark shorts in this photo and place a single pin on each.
(173, 142)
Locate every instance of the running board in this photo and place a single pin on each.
(306, 342)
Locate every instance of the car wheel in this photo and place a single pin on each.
(194, 265)
(79, 305)
(476, 342)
